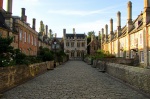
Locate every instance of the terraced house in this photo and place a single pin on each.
(132, 39)
(25, 37)
(75, 45)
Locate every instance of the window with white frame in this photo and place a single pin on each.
(25, 36)
(28, 38)
(39, 43)
(141, 38)
(32, 40)
(35, 41)
(20, 34)
(142, 56)
(132, 55)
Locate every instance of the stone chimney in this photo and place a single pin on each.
(9, 6)
(50, 33)
(129, 17)
(1, 4)
(146, 13)
(111, 28)
(64, 32)
(33, 23)
(102, 35)
(99, 35)
(129, 11)
(111, 25)
(46, 30)
(23, 16)
(119, 23)
(106, 32)
(74, 31)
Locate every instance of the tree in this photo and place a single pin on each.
(45, 54)
(91, 33)
(6, 51)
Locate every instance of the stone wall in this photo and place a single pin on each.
(15, 75)
(137, 77)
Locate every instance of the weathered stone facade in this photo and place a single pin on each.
(131, 39)
(75, 45)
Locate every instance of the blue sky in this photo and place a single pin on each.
(83, 15)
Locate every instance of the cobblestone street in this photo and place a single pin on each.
(73, 80)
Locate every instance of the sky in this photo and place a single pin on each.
(83, 15)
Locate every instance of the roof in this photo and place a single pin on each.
(77, 35)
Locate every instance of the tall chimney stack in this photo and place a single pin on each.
(23, 16)
(119, 23)
(102, 34)
(111, 28)
(111, 25)
(129, 11)
(1, 4)
(33, 23)
(129, 18)
(73, 30)
(119, 19)
(9, 6)
(106, 32)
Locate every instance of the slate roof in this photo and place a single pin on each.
(77, 35)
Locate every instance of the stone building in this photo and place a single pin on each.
(94, 45)
(75, 45)
(131, 39)
(43, 39)
(28, 37)
(6, 23)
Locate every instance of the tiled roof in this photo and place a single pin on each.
(77, 35)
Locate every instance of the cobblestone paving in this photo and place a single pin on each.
(73, 80)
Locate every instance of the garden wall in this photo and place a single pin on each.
(15, 75)
(137, 77)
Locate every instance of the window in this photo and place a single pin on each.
(32, 40)
(28, 38)
(20, 36)
(142, 56)
(72, 54)
(78, 54)
(72, 44)
(78, 44)
(141, 39)
(67, 43)
(35, 41)
(25, 36)
(83, 44)
(39, 43)
(132, 55)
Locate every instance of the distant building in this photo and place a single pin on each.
(75, 45)
(94, 45)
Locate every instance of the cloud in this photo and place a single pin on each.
(83, 13)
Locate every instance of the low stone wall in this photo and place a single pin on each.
(15, 75)
(137, 77)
